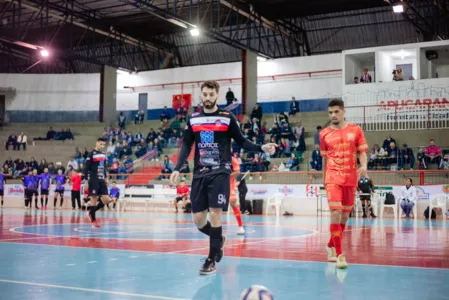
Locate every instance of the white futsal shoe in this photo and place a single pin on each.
(241, 231)
(341, 262)
(331, 255)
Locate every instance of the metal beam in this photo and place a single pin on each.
(112, 34)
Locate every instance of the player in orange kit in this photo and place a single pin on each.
(233, 195)
(340, 143)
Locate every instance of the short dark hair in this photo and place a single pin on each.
(336, 102)
(319, 127)
(411, 180)
(101, 140)
(212, 84)
(431, 140)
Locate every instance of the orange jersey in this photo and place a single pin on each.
(340, 148)
(235, 168)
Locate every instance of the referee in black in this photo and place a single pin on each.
(211, 131)
(95, 173)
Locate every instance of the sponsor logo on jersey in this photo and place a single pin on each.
(207, 140)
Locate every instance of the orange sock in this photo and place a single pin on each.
(336, 237)
(238, 215)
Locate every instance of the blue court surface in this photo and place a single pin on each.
(57, 255)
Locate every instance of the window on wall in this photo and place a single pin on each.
(359, 68)
(397, 65)
(434, 62)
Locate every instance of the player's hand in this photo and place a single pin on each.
(363, 172)
(174, 177)
(269, 148)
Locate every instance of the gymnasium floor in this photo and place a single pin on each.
(57, 255)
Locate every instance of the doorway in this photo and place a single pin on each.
(143, 104)
(407, 70)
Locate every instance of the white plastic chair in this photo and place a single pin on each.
(394, 206)
(375, 201)
(276, 201)
(438, 201)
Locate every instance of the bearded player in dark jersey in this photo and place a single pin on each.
(96, 176)
(211, 131)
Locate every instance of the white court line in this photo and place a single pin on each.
(91, 290)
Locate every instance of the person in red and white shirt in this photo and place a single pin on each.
(365, 78)
(182, 192)
(76, 189)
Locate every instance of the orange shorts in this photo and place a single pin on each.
(340, 197)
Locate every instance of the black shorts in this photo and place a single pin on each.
(210, 192)
(179, 199)
(44, 192)
(61, 192)
(98, 188)
(30, 193)
(363, 198)
(1, 192)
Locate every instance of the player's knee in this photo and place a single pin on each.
(200, 219)
(215, 216)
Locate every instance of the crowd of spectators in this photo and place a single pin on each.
(18, 168)
(390, 156)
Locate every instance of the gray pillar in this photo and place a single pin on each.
(249, 81)
(108, 93)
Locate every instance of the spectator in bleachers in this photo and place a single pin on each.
(151, 135)
(128, 162)
(167, 167)
(256, 114)
(9, 162)
(122, 120)
(432, 155)
(51, 134)
(138, 118)
(365, 78)
(140, 151)
(392, 157)
(317, 161)
(68, 134)
(293, 163)
(78, 156)
(111, 148)
(263, 129)
(286, 131)
(73, 163)
(387, 142)
(181, 114)
(114, 167)
(20, 167)
(287, 147)
(316, 136)
(138, 136)
(275, 132)
(42, 166)
(158, 146)
(58, 166)
(299, 144)
(7, 171)
(185, 169)
(12, 141)
(294, 107)
(172, 142)
(406, 156)
(230, 97)
(373, 160)
(165, 115)
(257, 164)
(356, 80)
(281, 118)
(22, 141)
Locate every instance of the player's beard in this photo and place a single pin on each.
(209, 104)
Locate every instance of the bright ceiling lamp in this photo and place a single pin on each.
(44, 53)
(261, 58)
(195, 32)
(398, 8)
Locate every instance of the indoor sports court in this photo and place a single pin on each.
(157, 256)
(321, 125)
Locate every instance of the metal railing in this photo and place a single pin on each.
(399, 117)
(420, 177)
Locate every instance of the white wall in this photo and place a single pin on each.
(384, 67)
(53, 92)
(412, 61)
(423, 62)
(269, 90)
(442, 70)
